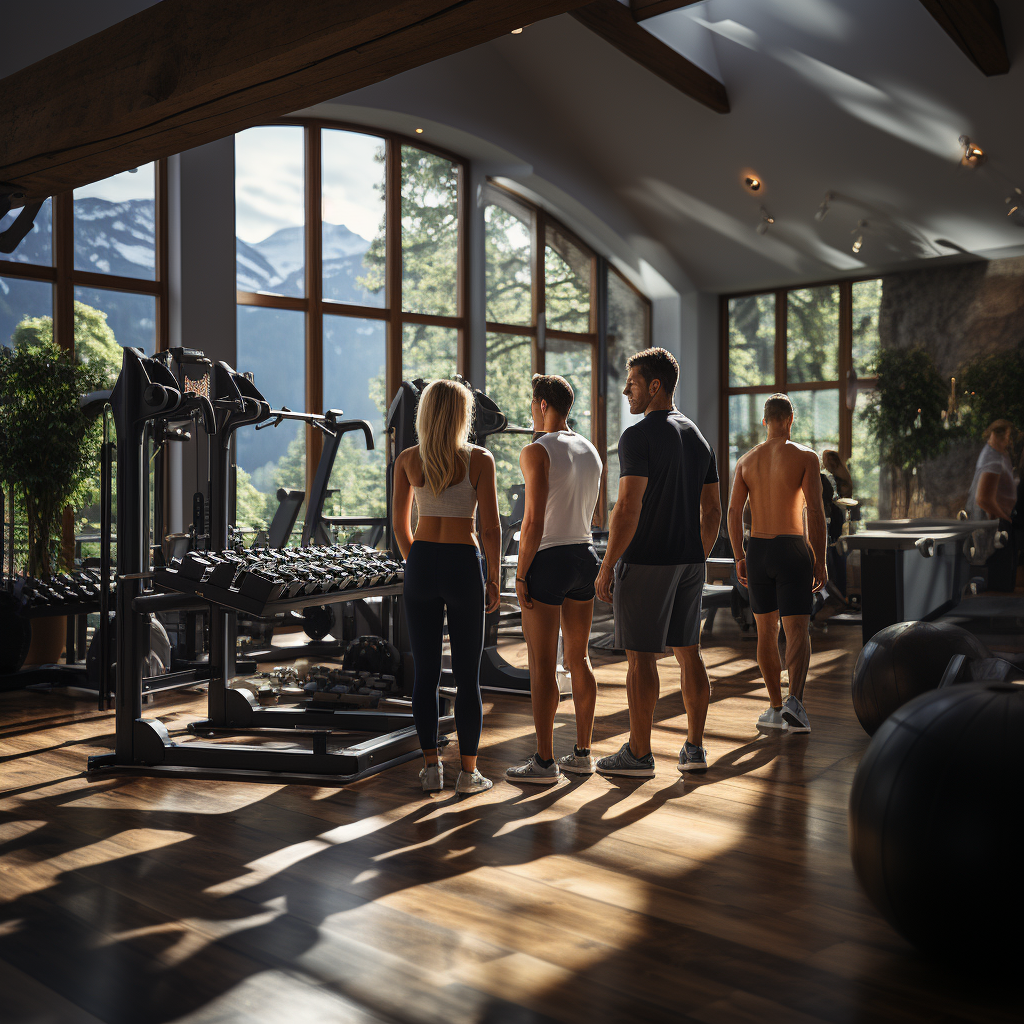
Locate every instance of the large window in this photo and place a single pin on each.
(351, 261)
(90, 276)
(543, 302)
(349, 279)
(808, 343)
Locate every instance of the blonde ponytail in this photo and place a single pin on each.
(442, 423)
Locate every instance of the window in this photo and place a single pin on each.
(629, 331)
(334, 313)
(825, 331)
(89, 275)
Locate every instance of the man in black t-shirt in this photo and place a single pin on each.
(664, 523)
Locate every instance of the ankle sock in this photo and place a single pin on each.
(544, 764)
(580, 751)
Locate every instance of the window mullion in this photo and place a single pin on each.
(393, 263)
(314, 297)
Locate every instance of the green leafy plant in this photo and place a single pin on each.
(48, 447)
(992, 388)
(905, 416)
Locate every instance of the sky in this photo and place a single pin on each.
(269, 187)
(140, 184)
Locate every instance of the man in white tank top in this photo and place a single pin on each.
(555, 576)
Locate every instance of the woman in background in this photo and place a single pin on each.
(993, 495)
(832, 462)
(444, 569)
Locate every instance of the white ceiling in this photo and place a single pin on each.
(865, 98)
(861, 97)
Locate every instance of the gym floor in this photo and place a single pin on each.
(725, 898)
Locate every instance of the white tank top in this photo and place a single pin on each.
(455, 502)
(574, 482)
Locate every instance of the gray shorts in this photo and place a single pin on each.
(657, 606)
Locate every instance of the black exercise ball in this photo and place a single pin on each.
(903, 661)
(372, 654)
(935, 822)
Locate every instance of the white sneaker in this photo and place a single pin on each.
(795, 715)
(772, 719)
(472, 782)
(578, 764)
(533, 771)
(432, 778)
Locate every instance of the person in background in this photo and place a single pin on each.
(555, 576)
(444, 570)
(834, 464)
(993, 495)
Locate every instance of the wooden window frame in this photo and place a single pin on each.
(315, 306)
(844, 361)
(64, 279)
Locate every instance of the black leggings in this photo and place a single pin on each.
(440, 577)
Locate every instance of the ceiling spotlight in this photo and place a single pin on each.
(826, 204)
(419, 131)
(974, 155)
(767, 220)
(752, 184)
(517, 31)
(859, 230)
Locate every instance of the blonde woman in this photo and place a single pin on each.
(444, 569)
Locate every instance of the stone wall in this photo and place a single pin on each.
(956, 313)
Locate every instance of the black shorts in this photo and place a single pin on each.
(780, 574)
(565, 571)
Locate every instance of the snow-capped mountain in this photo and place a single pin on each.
(276, 264)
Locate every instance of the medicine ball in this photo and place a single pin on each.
(372, 654)
(903, 661)
(935, 822)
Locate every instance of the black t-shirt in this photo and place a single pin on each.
(671, 452)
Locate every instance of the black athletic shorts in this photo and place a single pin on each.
(565, 571)
(780, 574)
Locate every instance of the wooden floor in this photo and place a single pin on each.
(720, 899)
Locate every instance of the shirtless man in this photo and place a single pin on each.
(785, 559)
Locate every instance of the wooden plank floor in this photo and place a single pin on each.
(725, 898)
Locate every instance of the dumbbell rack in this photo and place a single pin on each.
(147, 390)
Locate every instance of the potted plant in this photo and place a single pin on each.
(906, 417)
(48, 447)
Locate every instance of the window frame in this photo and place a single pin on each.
(64, 278)
(781, 384)
(313, 304)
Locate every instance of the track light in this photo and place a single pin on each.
(862, 226)
(767, 220)
(752, 184)
(974, 155)
(1015, 202)
(826, 205)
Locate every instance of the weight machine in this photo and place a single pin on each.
(147, 391)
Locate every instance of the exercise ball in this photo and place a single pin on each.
(935, 822)
(903, 661)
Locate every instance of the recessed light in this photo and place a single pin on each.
(419, 131)
(517, 31)
(974, 155)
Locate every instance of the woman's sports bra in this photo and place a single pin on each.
(455, 502)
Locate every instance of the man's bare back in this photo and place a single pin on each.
(781, 477)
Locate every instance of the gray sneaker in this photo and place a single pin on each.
(472, 782)
(624, 763)
(578, 764)
(772, 719)
(693, 759)
(432, 778)
(795, 715)
(533, 771)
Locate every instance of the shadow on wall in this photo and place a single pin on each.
(956, 314)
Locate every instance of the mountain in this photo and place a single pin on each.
(277, 264)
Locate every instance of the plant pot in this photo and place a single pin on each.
(49, 638)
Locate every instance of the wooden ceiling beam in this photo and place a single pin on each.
(975, 26)
(614, 23)
(643, 9)
(186, 72)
